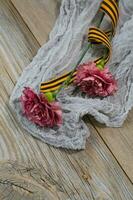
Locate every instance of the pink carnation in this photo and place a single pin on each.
(38, 110)
(95, 82)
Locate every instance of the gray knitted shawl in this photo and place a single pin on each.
(60, 54)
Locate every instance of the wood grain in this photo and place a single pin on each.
(119, 141)
(35, 170)
(43, 14)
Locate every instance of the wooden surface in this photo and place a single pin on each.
(30, 169)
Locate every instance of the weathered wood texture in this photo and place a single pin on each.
(120, 142)
(30, 169)
(43, 14)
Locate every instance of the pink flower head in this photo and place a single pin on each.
(95, 82)
(38, 110)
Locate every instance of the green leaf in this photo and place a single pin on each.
(101, 64)
(50, 96)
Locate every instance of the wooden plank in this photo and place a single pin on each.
(39, 15)
(36, 170)
(123, 136)
(57, 174)
(89, 174)
(120, 142)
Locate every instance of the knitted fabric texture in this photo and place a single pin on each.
(60, 54)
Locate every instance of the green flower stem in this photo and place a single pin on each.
(98, 23)
(70, 76)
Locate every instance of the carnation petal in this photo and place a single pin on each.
(38, 110)
(95, 82)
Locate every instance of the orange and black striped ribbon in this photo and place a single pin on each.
(95, 36)
(110, 8)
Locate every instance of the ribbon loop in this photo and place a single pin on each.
(97, 36)
(110, 8)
